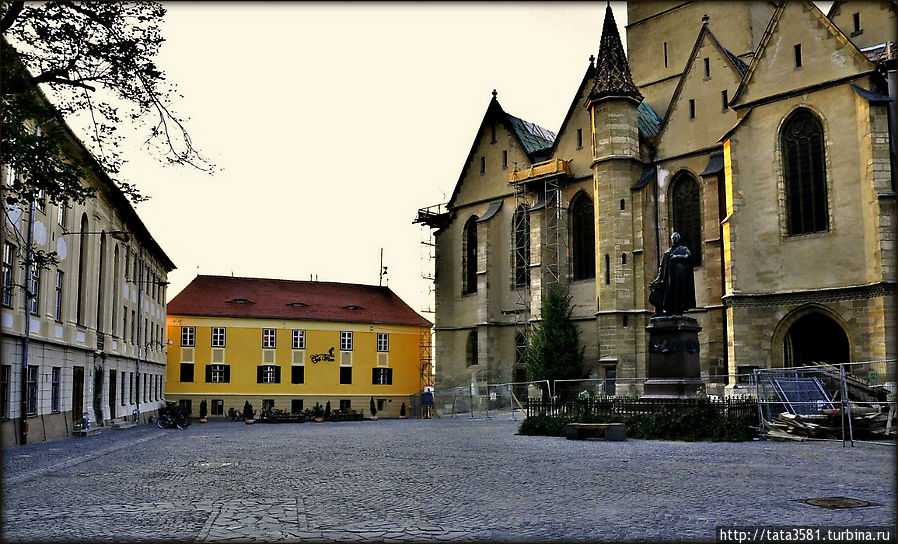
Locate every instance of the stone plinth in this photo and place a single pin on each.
(674, 370)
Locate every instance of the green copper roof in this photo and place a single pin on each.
(533, 137)
(649, 122)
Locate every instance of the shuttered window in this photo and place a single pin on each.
(268, 374)
(297, 374)
(218, 373)
(382, 376)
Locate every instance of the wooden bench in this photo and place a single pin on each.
(611, 431)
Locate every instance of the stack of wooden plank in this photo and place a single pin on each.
(870, 421)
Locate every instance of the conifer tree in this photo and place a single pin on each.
(554, 351)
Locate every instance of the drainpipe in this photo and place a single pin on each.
(139, 284)
(23, 427)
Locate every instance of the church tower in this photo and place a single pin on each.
(613, 106)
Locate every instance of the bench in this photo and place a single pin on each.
(611, 431)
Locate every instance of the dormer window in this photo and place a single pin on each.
(298, 304)
(353, 307)
(240, 301)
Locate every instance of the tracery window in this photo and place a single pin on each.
(471, 349)
(804, 172)
(583, 239)
(687, 216)
(521, 228)
(469, 257)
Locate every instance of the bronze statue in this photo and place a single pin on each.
(673, 291)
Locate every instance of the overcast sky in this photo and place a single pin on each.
(333, 123)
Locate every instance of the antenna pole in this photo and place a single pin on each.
(380, 278)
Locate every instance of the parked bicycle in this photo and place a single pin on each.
(172, 417)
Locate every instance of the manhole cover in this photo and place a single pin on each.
(835, 503)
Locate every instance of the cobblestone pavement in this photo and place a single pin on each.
(449, 479)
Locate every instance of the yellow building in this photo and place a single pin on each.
(292, 344)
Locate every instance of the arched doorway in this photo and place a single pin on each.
(815, 338)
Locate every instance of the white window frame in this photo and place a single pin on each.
(188, 335)
(269, 374)
(218, 337)
(35, 288)
(9, 254)
(345, 340)
(299, 339)
(55, 386)
(383, 342)
(269, 338)
(57, 312)
(217, 374)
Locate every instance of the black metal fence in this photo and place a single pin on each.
(606, 407)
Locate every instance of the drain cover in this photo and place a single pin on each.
(836, 503)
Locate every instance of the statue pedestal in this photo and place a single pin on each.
(674, 370)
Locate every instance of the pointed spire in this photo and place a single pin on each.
(612, 70)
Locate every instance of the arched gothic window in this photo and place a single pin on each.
(687, 216)
(471, 349)
(520, 346)
(583, 238)
(521, 228)
(804, 170)
(469, 257)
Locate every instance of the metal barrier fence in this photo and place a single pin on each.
(501, 400)
(625, 407)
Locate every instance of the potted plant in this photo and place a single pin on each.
(203, 411)
(373, 409)
(319, 413)
(402, 411)
(327, 410)
(248, 413)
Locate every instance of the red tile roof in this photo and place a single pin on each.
(226, 296)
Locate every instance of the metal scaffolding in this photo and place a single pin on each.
(543, 180)
(430, 218)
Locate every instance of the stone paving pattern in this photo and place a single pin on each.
(449, 479)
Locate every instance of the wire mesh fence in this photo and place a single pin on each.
(845, 401)
(819, 401)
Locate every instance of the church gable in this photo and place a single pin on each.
(502, 142)
(574, 141)
(699, 113)
(801, 48)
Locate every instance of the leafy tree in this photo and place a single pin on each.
(93, 60)
(554, 351)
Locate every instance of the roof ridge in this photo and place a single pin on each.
(287, 280)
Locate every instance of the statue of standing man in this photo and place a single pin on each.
(673, 291)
